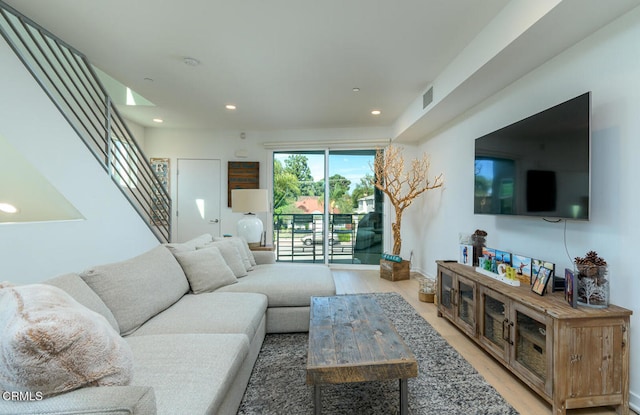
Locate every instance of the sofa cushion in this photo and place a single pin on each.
(114, 400)
(205, 269)
(243, 247)
(190, 245)
(52, 344)
(210, 313)
(73, 285)
(204, 365)
(249, 252)
(264, 257)
(139, 288)
(231, 255)
(286, 285)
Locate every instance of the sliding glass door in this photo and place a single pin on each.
(334, 221)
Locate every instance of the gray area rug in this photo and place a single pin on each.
(446, 382)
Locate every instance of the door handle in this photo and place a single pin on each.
(214, 220)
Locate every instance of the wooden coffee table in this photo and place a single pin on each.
(351, 340)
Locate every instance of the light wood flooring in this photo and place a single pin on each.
(510, 387)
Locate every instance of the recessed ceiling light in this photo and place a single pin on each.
(191, 61)
(230, 106)
(376, 112)
(8, 208)
(158, 120)
(356, 89)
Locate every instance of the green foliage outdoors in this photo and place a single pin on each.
(362, 189)
(344, 237)
(294, 179)
(286, 188)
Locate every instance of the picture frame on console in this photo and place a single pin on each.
(503, 257)
(522, 264)
(537, 264)
(541, 279)
(465, 256)
(488, 252)
(569, 287)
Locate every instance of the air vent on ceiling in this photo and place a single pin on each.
(427, 98)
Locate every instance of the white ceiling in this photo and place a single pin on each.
(292, 64)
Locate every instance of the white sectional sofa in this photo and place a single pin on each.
(194, 332)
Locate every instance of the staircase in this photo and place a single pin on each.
(71, 83)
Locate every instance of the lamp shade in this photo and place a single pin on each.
(249, 200)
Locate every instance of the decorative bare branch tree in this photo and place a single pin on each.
(402, 187)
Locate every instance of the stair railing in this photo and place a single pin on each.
(70, 81)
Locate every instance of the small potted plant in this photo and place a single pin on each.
(592, 280)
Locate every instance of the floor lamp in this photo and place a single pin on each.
(250, 202)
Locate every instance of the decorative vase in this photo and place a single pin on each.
(479, 242)
(593, 285)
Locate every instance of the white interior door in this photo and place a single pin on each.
(198, 193)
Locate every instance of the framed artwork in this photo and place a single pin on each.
(569, 287)
(536, 264)
(242, 175)
(160, 167)
(541, 279)
(503, 257)
(159, 213)
(488, 252)
(522, 264)
(465, 256)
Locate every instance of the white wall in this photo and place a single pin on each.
(209, 144)
(608, 64)
(112, 231)
(206, 144)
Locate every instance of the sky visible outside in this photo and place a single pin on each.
(353, 167)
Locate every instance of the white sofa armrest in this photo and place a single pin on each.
(264, 257)
(130, 400)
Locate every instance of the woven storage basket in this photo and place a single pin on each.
(532, 355)
(493, 330)
(465, 310)
(426, 297)
(494, 318)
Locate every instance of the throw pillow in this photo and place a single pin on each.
(73, 285)
(205, 269)
(190, 245)
(242, 245)
(51, 344)
(139, 288)
(231, 256)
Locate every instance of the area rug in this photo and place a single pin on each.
(446, 382)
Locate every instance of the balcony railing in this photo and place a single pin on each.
(351, 238)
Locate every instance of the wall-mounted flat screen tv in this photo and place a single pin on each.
(538, 166)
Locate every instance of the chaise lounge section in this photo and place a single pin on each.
(193, 348)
